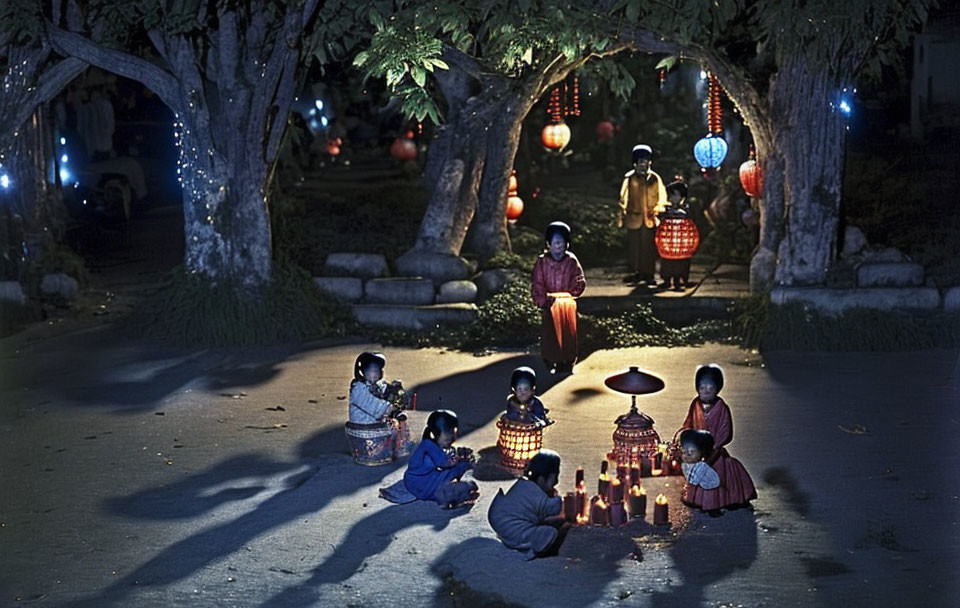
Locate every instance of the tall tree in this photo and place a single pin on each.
(490, 61)
(31, 76)
(229, 70)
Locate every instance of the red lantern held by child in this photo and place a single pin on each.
(555, 136)
(751, 178)
(677, 238)
(403, 149)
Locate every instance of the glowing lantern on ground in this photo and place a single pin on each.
(751, 178)
(555, 136)
(677, 238)
(403, 149)
(710, 151)
(514, 202)
(518, 442)
(333, 146)
(604, 131)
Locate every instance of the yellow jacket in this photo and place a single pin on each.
(641, 200)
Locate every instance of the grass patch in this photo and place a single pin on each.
(797, 327)
(189, 311)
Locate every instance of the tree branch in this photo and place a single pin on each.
(155, 78)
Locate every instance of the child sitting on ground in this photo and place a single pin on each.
(528, 517)
(694, 446)
(523, 405)
(436, 467)
(373, 400)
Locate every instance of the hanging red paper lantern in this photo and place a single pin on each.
(751, 178)
(555, 136)
(333, 146)
(512, 184)
(403, 149)
(677, 238)
(604, 131)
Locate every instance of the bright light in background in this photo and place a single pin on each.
(65, 176)
(319, 104)
(63, 158)
(314, 125)
(323, 121)
(703, 75)
(312, 112)
(63, 141)
(845, 107)
(4, 180)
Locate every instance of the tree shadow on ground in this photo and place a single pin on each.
(368, 537)
(474, 571)
(709, 551)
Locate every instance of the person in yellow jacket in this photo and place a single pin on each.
(642, 197)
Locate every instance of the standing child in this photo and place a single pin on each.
(523, 405)
(436, 467)
(528, 517)
(709, 412)
(676, 271)
(558, 281)
(694, 447)
(642, 197)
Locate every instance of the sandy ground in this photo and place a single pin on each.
(138, 474)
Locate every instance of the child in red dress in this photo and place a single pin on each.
(709, 412)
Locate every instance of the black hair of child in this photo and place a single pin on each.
(365, 360)
(700, 438)
(641, 151)
(680, 187)
(523, 373)
(711, 372)
(556, 228)
(542, 464)
(439, 422)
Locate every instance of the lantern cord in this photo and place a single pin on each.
(714, 109)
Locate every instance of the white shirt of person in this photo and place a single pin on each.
(365, 406)
(701, 474)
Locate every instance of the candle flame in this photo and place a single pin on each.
(582, 488)
(661, 499)
(600, 503)
(637, 491)
(615, 481)
(656, 472)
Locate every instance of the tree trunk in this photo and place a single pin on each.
(226, 223)
(488, 234)
(808, 139)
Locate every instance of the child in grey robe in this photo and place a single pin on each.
(528, 517)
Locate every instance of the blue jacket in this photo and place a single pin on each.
(429, 468)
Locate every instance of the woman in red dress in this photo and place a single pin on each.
(557, 281)
(709, 412)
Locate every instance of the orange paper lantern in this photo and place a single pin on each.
(604, 131)
(333, 148)
(751, 178)
(403, 149)
(514, 207)
(555, 136)
(677, 238)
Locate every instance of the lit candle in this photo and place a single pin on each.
(645, 467)
(413, 402)
(570, 507)
(618, 514)
(603, 484)
(637, 502)
(622, 472)
(599, 514)
(579, 478)
(581, 500)
(634, 473)
(616, 490)
(582, 520)
(603, 467)
(661, 512)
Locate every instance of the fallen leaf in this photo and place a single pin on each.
(854, 429)
(278, 408)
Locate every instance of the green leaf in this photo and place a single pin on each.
(667, 63)
(361, 58)
(419, 76)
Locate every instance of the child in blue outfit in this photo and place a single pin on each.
(528, 517)
(436, 467)
(523, 405)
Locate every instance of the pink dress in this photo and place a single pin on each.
(736, 486)
(559, 342)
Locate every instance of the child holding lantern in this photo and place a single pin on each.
(523, 405)
(436, 468)
(373, 401)
(709, 412)
(557, 281)
(694, 446)
(528, 517)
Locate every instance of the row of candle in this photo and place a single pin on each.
(613, 513)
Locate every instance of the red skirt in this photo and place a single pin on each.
(558, 332)
(736, 486)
